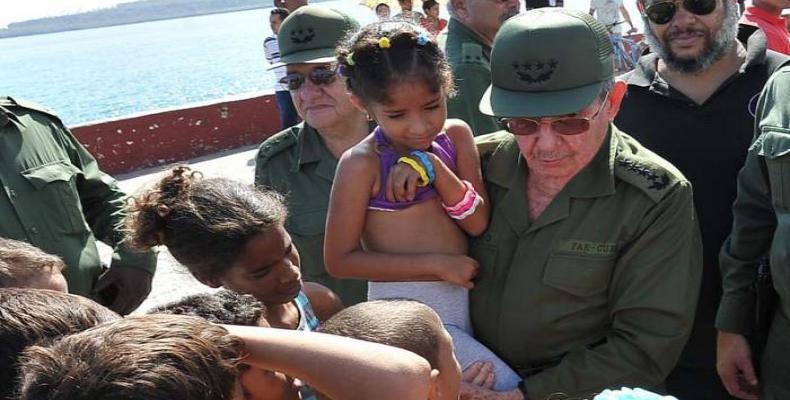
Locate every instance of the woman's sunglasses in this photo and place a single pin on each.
(319, 76)
(663, 11)
(563, 125)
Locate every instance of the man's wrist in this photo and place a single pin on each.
(522, 388)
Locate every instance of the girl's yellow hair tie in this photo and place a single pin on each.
(384, 43)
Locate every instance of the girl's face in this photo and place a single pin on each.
(267, 268)
(413, 116)
(434, 11)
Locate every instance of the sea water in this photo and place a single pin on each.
(102, 73)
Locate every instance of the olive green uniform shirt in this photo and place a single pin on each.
(55, 197)
(296, 163)
(600, 290)
(470, 60)
(761, 213)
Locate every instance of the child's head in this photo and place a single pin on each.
(431, 8)
(231, 308)
(382, 11)
(225, 232)
(222, 307)
(32, 315)
(24, 265)
(147, 357)
(396, 73)
(406, 324)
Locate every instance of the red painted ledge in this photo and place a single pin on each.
(147, 140)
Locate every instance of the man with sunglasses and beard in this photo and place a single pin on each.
(591, 264)
(300, 162)
(470, 32)
(692, 101)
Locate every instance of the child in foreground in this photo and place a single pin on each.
(406, 196)
(230, 234)
(164, 357)
(24, 265)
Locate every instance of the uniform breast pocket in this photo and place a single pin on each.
(56, 188)
(776, 150)
(579, 276)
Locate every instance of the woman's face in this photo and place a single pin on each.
(268, 268)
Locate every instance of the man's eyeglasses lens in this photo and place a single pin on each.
(564, 126)
(662, 12)
(319, 76)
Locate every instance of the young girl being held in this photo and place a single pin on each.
(230, 234)
(405, 197)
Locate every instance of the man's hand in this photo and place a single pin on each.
(734, 365)
(122, 289)
(479, 374)
(473, 392)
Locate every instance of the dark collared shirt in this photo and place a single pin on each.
(708, 143)
(296, 163)
(55, 197)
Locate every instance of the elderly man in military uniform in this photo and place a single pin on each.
(590, 267)
(470, 32)
(55, 197)
(760, 226)
(300, 161)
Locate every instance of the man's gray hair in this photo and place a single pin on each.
(451, 9)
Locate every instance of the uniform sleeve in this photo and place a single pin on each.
(471, 81)
(652, 300)
(754, 224)
(262, 179)
(103, 205)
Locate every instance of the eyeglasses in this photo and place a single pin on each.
(562, 125)
(319, 76)
(663, 11)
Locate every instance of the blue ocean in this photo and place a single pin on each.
(110, 72)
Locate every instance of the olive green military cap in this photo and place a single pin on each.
(548, 61)
(310, 35)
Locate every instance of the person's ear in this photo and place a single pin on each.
(460, 9)
(616, 96)
(358, 104)
(433, 388)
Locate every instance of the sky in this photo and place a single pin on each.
(21, 10)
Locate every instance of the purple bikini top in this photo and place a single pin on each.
(442, 147)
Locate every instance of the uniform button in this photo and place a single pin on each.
(34, 231)
(12, 193)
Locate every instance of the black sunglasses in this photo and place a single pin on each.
(663, 11)
(319, 76)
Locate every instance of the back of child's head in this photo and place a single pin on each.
(23, 265)
(205, 223)
(406, 324)
(386, 52)
(222, 307)
(28, 316)
(428, 4)
(147, 357)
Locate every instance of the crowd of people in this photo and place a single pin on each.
(498, 216)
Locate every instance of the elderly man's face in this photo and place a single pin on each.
(486, 16)
(554, 155)
(691, 43)
(322, 106)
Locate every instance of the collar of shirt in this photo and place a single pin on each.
(461, 32)
(594, 180)
(310, 149)
(7, 116)
(646, 75)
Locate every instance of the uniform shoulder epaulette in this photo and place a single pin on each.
(472, 53)
(276, 143)
(12, 102)
(488, 143)
(644, 169)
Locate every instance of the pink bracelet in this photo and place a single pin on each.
(467, 206)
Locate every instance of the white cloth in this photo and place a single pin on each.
(608, 12)
(272, 51)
